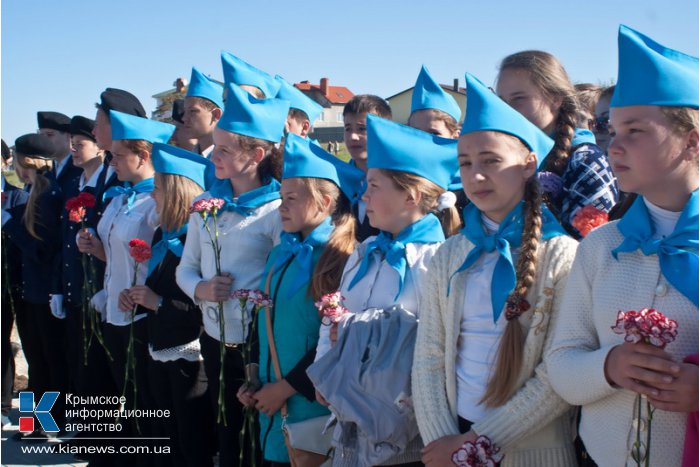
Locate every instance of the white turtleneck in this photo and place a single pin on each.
(663, 221)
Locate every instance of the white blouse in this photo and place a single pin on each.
(378, 287)
(479, 336)
(245, 244)
(116, 228)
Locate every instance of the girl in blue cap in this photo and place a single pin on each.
(408, 173)
(537, 85)
(318, 237)
(33, 227)
(247, 162)
(647, 259)
(433, 110)
(130, 215)
(175, 365)
(490, 297)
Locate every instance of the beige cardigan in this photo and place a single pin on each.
(535, 427)
(599, 286)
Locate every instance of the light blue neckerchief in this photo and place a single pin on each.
(292, 246)
(144, 186)
(247, 203)
(169, 241)
(508, 236)
(678, 253)
(426, 230)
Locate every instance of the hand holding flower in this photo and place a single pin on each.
(681, 394)
(640, 368)
(216, 289)
(439, 452)
(125, 303)
(144, 296)
(272, 396)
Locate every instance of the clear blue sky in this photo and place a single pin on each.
(59, 55)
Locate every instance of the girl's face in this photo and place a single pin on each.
(229, 158)
(157, 194)
(127, 164)
(389, 208)
(427, 120)
(516, 88)
(22, 173)
(494, 169)
(299, 210)
(646, 154)
(83, 150)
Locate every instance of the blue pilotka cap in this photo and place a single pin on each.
(298, 100)
(169, 159)
(241, 73)
(652, 74)
(206, 88)
(257, 118)
(127, 126)
(306, 159)
(488, 112)
(399, 147)
(428, 94)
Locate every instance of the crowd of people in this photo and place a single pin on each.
(515, 284)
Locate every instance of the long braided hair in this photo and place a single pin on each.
(501, 385)
(549, 75)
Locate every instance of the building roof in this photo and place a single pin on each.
(334, 94)
(446, 87)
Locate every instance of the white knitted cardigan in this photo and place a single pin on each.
(534, 428)
(600, 286)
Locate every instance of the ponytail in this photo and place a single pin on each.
(40, 185)
(342, 242)
(501, 385)
(430, 196)
(271, 165)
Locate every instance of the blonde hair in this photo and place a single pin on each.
(549, 75)
(682, 119)
(329, 269)
(39, 186)
(430, 192)
(178, 194)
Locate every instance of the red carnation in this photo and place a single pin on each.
(139, 250)
(76, 215)
(72, 204)
(588, 218)
(87, 199)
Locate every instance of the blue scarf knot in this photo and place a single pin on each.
(426, 230)
(678, 253)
